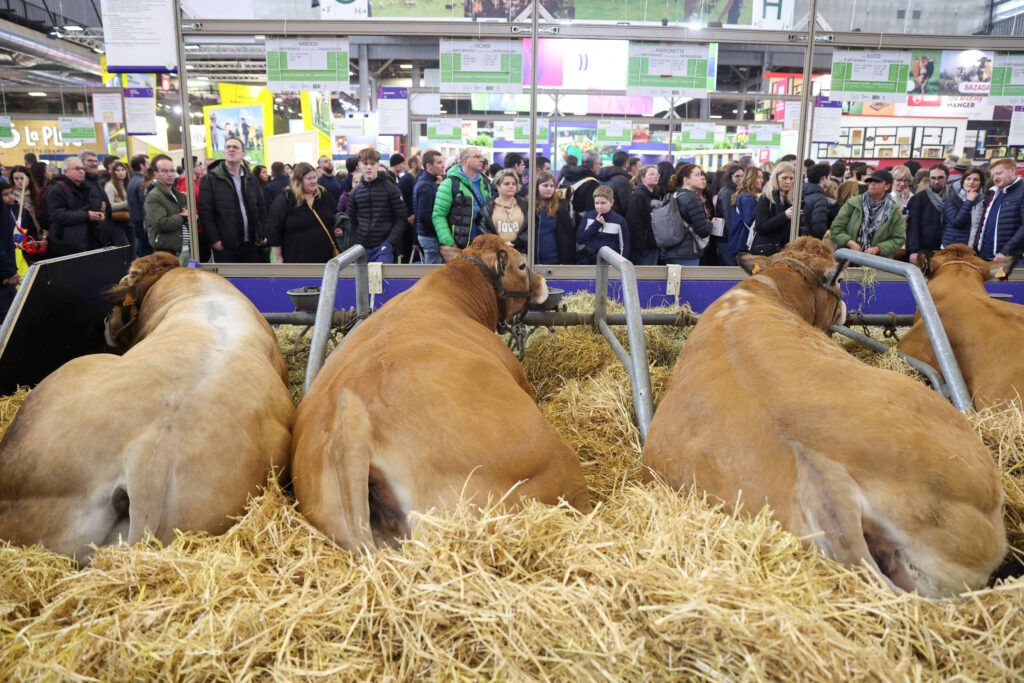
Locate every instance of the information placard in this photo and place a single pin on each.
(6, 129)
(870, 75)
(444, 130)
(697, 135)
(307, 63)
(106, 108)
(764, 135)
(521, 130)
(481, 66)
(828, 117)
(77, 128)
(1016, 136)
(1007, 79)
(393, 110)
(669, 70)
(139, 36)
(614, 131)
(140, 104)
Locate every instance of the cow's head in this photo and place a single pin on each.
(966, 259)
(514, 282)
(820, 301)
(127, 296)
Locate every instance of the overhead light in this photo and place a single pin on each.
(202, 78)
(56, 34)
(176, 110)
(279, 99)
(97, 50)
(37, 94)
(405, 66)
(72, 27)
(260, 36)
(694, 26)
(715, 116)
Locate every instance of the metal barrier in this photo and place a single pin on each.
(636, 360)
(928, 371)
(956, 389)
(325, 305)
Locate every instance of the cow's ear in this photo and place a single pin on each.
(751, 263)
(924, 262)
(501, 262)
(449, 254)
(832, 276)
(1000, 269)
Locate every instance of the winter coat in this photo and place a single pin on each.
(220, 211)
(332, 185)
(565, 233)
(163, 217)
(925, 224)
(692, 208)
(68, 206)
(889, 237)
(617, 179)
(744, 214)
(406, 184)
(295, 228)
(583, 196)
(273, 188)
(458, 215)
(638, 217)
(423, 194)
(723, 205)
(487, 225)
(958, 218)
(594, 235)
(378, 213)
(136, 200)
(1010, 228)
(8, 262)
(814, 215)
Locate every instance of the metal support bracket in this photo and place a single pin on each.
(635, 360)
(675, 277)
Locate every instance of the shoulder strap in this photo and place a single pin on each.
(326, 231)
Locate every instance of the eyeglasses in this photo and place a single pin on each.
(476, 156)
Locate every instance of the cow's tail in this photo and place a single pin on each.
(343, 512)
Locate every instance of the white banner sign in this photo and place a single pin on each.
(106, 108)
(6, 129)
(827, 124)
(1007, 79)
(140, 116)
(791, 119)
(139, 35)
(1016, 136)
(307, 63)
(77, 128)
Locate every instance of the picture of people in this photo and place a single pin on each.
(924, 68)
(244, 123)
(320, 111)
(967, 72)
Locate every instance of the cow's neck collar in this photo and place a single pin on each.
(503, 294)
(962, 263)
(800, 268)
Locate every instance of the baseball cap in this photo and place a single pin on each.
(881, 176)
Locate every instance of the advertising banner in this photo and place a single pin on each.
(40, 136)
(477, 65)
(307, 63)
(1007, 79)
(444, 130)
(669, 69)
(614, 131)
(693, 135)
(764, 135)
(245, 112)
(870, 75)
(77, 128)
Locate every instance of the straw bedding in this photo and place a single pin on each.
(653, 584)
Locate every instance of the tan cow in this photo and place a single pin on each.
(986, 334)
(175, 434)
(871, 466)
(424, 405)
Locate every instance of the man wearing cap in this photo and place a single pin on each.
(396, 166)
(872, 222)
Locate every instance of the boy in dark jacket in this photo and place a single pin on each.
(377, 211)
(602, 227)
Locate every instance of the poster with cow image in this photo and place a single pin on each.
(967, 72)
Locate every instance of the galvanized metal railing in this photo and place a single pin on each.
(325, 305)
(636, 359)
(954, 387)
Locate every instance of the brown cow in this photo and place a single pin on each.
(871, 466)
(424, 405)
(175, 434)
(985, 333)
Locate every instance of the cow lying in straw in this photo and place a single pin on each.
(175, 434)
(871, 466)
(986, 334)
(424, 405)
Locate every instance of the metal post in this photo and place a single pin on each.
(364, 78)
(798, 181)
(186, 141)
(531, 239)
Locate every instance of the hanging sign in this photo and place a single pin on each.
(106, 108)
(444, 130)
(1007, 79)
(140, 104)
(393, 110)
(1016, 136)
(870, 75)
(614, 131)
(521, 130)
(481, 66)
(791, 115)
(307, 63)
(764, 135)
(6, 129)
(828, 117)
(693, 135)
(669, 70)
(139, 36)
(77, 128)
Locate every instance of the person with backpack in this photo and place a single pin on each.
(617, 178)
(688, 184)
(377, 211)
(814, 217)
(774, 211)
(744, 212)
(643, 248)
(460, 198)
(578, 184)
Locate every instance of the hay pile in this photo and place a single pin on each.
(651, 585)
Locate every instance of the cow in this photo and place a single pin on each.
(176, 433)
(985, 333)
(424, 406)
(868, 465)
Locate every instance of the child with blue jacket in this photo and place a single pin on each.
(602, 227)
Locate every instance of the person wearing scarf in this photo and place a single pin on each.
(964, 208)
(873, 224)
(926, 218)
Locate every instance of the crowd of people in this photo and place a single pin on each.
(405, 210)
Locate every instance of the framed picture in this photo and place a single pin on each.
(885, 152)
(857, 136)
(885, 131)
(932, 153)
(905, 151)
(858, 151)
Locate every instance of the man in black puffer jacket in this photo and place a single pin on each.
(377, 211)
(76, 209)
(616, 177)
(232, 210)
(814, 214)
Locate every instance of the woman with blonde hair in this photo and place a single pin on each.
(300, 226)
(848, 189)
(774, 211)
(901, 189)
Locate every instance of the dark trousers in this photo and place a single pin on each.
(142, 245)
(246, 252)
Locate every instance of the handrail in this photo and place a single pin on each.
(928, 371)
(325, 305)
(959, 395)
(636, 360)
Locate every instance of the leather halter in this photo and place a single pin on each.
(963, 263)
(504, 294)
(817, 279)
(126, 307)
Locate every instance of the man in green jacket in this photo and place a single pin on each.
(165, 211)
(872, 222)
(456, 215)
